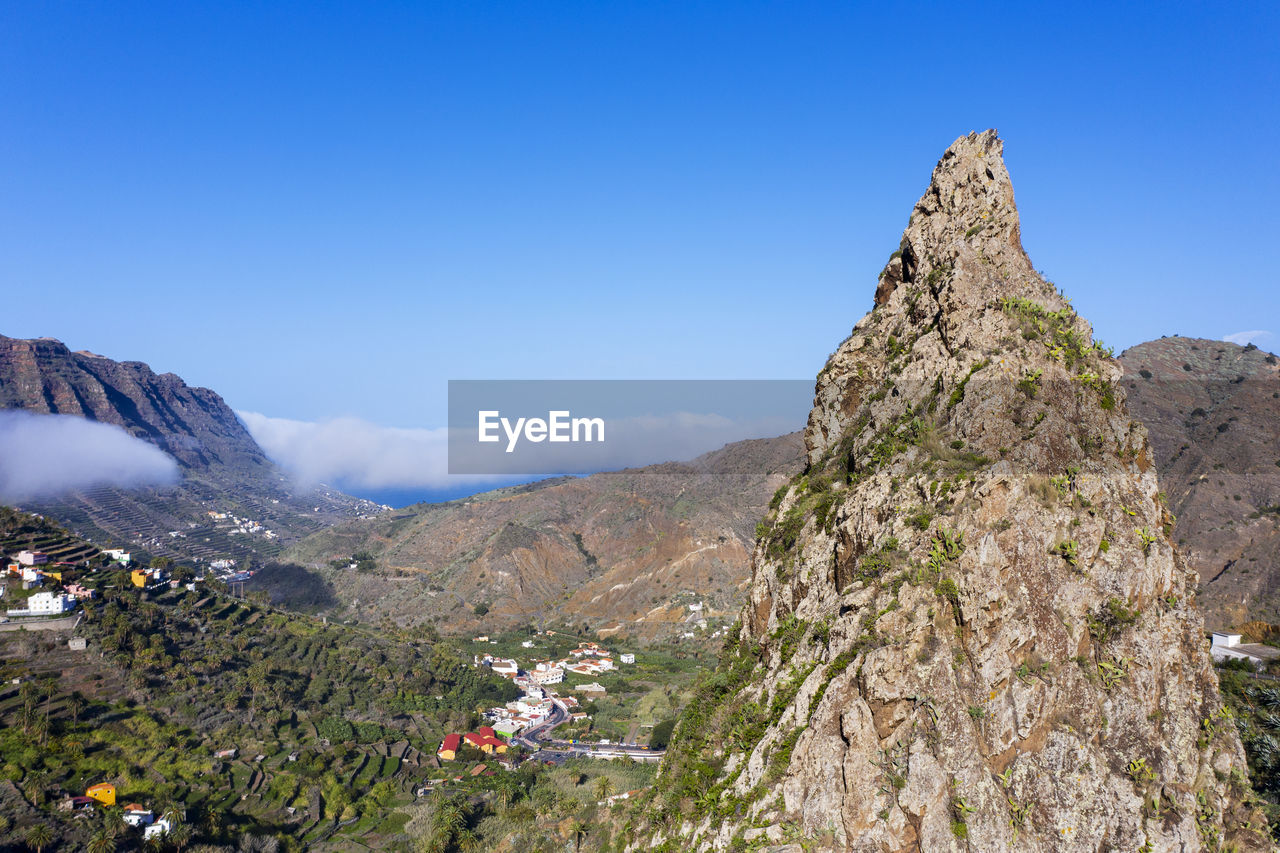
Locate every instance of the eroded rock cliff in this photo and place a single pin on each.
(966, 626)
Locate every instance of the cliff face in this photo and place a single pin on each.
(1213, 409)
(966, 626)
(624, 551)
(223, 469)
(193, 425)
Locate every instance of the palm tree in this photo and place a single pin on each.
(506, 796)
(604, 787)
(39, 836)
(448, 818)
(578, 828)
(102, 842)
(33, 786)
(179, 835)
(73, 748)
(40, 728)
(75, 704)
(213, 823)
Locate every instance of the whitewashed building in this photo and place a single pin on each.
(1227, 647)
(46, 604)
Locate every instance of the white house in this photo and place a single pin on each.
(32, 558)
(46, 604)
(138, 817)
(1227, 647)
(507, 668)
(545, 673)
(159, 829)
(627, 657)
(119, 555)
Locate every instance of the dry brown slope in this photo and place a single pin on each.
(966, 628)
(1213, 411)
(626, 550)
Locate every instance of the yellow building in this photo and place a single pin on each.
(103, 792)
(449, 749)
(139, 578)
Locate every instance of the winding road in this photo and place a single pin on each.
(538, 738)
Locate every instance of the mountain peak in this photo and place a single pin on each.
(970, 589)
(967, 215)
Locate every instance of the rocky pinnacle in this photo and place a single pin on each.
(966, 625)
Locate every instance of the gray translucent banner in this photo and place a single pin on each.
(523, 427)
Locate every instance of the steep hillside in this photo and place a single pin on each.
(966, 626)
(328, 723)
(223, 469)
(627, 550)
(1213, 411)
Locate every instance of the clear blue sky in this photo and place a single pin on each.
(323, 209)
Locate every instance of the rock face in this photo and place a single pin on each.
(622, 551)
(966, 625)
(193, 425)
(223, 469)
(1213, 410)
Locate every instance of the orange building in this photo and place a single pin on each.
(103, 792)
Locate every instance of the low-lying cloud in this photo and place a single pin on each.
(44, 456)
(353, 452)
(1253, 336)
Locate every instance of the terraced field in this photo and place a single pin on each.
(335, 728)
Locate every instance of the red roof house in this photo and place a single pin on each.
(449, 748)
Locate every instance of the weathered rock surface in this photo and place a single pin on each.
(966, 626)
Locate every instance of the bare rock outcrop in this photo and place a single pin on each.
(966, 626)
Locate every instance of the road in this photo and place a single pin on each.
(27, 623)
(539, 738)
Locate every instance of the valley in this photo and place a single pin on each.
(971, 565)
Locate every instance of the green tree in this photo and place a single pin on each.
(76, 705)
(33, 786)
(102, 842)
(39, 837)
(578, 828)
(604, 787)
(179, 835)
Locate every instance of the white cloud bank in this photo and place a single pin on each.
(47, 455)
(354, 452)
(1254, 336)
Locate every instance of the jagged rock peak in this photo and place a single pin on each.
(966, 626)
(960, 290)
(967, 213)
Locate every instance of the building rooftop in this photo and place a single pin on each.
(1258, 650)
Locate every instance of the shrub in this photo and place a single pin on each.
(1029, 384)
(1067, 551)
(948, 589)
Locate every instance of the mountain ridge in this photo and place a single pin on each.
(625, 550)
(223, 469)
(1213, 412)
